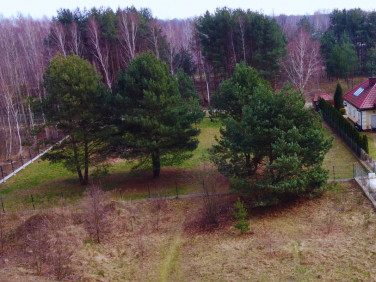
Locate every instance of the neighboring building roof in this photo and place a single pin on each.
(325, 96)
(364, 95)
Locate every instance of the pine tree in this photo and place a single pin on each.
(274, 148)
(240, 213)
(338, 97)
(155, 122)
(75, 104)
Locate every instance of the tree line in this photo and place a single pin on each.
(206, 48)
(270, 145)
(348, 46)
(146, 117)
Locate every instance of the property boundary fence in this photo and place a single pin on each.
(360, 153)
(119, 195)
(22, 163)
(366, 181)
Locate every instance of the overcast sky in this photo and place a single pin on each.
(168, 9)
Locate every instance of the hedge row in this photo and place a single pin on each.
(343, 124)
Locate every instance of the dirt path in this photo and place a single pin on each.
(169, 263)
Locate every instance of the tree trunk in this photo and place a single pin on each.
(78, 168)
(248, 164)
(156, 163)
(86, 176)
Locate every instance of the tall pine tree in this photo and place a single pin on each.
(155, 122)
(338, 97)
(272, 147)
(75, 104)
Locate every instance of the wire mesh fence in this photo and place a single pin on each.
(360, 153)
(9, 166)
(367, 181)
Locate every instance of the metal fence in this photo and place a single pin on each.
(364, 181)
(11, 167)
(351, 143)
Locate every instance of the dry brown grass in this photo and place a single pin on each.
(329, 86)
(329, 238)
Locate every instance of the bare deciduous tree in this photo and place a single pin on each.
(211, 181)
(2, 233)
(171, 44)
(36, 241)
(303, 61)
(75, 43)
(154, 38)
(99, 49)
(22, 61)
(129, 22)
(58, 36)
(95, 212)
(63, 242)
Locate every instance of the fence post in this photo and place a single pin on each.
(30, 154)
(121, 194)
(2, 204)
(2, 173)
(353, 170)
(32, 201)
(62, 198)
(176, 187)
(11, 162)
(21, 160)
(149, 191)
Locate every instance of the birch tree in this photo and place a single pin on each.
(303, 61)
(99, 49)
(154, 36)
(58, 37)
(129, 22)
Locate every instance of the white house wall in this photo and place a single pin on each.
(364, 120)
(365, 116)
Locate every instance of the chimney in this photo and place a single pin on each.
(372, 81)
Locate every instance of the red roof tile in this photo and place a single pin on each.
(366, 99)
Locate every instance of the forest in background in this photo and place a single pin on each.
(298, 49)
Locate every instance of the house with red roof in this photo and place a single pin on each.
(318, 96)
(360, 105)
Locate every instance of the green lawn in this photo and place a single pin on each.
(46, 182)
(339, 158)
(371, 144)
(209, 129)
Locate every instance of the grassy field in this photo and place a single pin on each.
(330, 238)
(371, 136)
(340, 157)
(47, 182)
